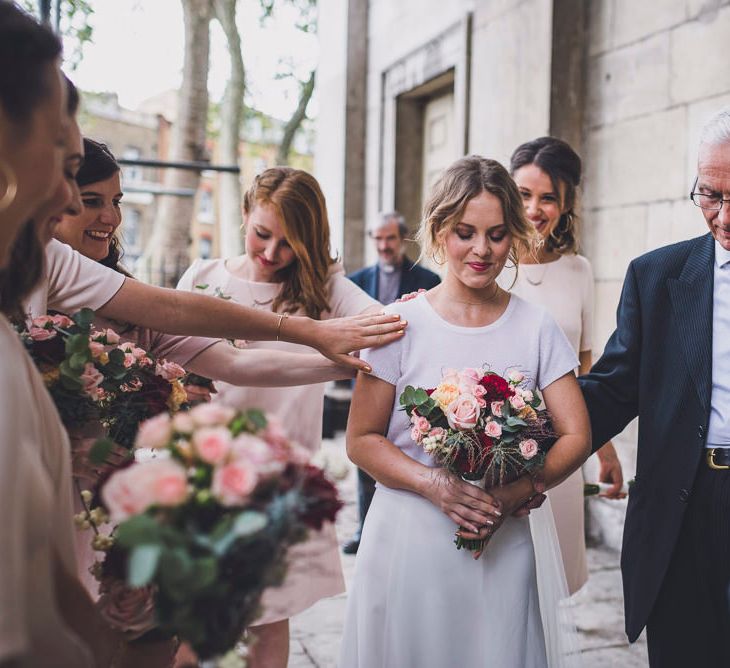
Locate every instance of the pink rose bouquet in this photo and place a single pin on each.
(484, 427)
(205, 524)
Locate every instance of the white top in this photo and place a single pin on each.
(564, 288)
(72, 282)
(36, 495)
(524, 338)
(718, 430)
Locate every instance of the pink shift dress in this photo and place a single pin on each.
(35, 494)
(314, 571)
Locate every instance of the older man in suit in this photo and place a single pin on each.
(668, 362)
(393, 276)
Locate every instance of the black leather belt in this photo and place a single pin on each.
(718, 458)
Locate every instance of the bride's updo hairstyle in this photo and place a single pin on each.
(298, 199)
(465, 179)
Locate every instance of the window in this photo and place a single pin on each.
(205, 207)
(131, 230)
(132, 173)
(205, 248)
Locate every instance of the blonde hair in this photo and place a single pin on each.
(461, 182)
(302, 210)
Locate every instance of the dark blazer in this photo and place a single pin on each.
(657, 365)
(412, 278)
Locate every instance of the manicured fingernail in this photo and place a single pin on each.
(490, 522)
(498, 513)
(367, 369)
(403, 323)
(473, 529)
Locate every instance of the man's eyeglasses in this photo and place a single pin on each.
(711, 202)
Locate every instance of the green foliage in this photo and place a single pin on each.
(75, 25)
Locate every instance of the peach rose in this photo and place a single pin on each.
(112, 338)
(515, 377)
(155, 432)
(233, 482)
(62, 321)
(212, 415)
(421, 423)
(169, 370)
(97, 349)
(41, 328)
(463, 413)
(529, 448)
(212, 444)
(527, 395)
(266, 460)
(497, 408)
(493, 429)
(183, 423)
(134, 489)
(517, 402)
(91, 379)
(445, 394)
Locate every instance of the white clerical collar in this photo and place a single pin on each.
(722, 256)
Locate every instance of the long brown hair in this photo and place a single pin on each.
(299, 201)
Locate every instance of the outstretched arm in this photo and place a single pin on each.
(265, 368)
(186, 313)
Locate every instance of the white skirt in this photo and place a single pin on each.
(418, 602)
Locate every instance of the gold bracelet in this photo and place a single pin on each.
(282, 317)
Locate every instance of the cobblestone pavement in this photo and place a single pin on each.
(598, 606)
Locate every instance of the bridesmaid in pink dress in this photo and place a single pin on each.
(287, 269)
(46, 618)
(93, 232)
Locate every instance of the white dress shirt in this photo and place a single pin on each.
(718, 431)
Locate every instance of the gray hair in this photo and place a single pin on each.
(392, 217)
(717, 129)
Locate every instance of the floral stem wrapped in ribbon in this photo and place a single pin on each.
(481, 426)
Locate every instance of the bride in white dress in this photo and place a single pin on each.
(416, 601)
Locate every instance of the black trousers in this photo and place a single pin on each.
(365, 491)
(690, 623)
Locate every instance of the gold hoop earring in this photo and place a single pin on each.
(11, 187)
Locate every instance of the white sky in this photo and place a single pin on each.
(137, 52)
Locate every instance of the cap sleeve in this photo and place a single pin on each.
(76, 282)
(386, 360)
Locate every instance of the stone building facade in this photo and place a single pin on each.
(408, 86)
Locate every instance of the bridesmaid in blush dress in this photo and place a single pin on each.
(46, 618)
(287, 269)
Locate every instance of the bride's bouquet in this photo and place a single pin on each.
(481, 426)
(205, 520)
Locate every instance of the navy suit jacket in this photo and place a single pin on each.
(657, 365)
(412, 278)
